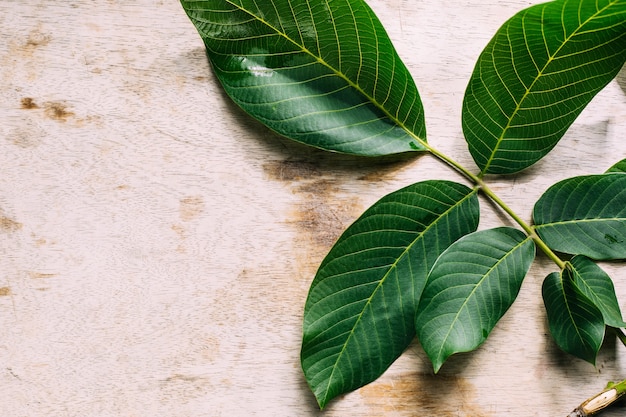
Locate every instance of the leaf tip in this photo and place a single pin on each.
(437, 364)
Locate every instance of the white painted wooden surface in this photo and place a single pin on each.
(156, 245)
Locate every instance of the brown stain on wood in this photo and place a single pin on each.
(424, 395)
(8, 225)
(36, 39)
(57, 110)
(321, 212)
(28, 103)
(191, 207)
(387, 169)
(5, 291)
(290, 170)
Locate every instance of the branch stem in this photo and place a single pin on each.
(478, 182)
(527, 228)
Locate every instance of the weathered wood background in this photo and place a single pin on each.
(156, 244)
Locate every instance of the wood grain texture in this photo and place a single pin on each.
(156, 245)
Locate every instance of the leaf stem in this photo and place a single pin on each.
(454, 164)
(478, 181)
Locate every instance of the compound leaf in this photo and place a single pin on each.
(576, 324)
(470, 287)
(598, 287)
(536, 75)
(359, 314)
(323, 73)
(585, 215)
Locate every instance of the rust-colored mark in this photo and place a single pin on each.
(191, 207)
(40, 275)
(28, 103)
(4, 291)
(57, 111)
(423, 394)
(8, 225)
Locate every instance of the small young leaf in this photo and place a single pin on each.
(585, 216)
(598, 287)
(576, 324)
(619, 167)
(318, 72)
(359, 315)
(470, 287)
(536, 75)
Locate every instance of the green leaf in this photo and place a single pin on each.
(470, 287)
(618, 167)
(598, 287)
(359, 315)
(323, 73)
(575, 322)
(536, 75)
(585, 216)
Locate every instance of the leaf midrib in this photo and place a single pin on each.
(392, 267)
(338, 72)
(578, 221)
(540, 73)
(569, 310)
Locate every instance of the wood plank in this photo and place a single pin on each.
(156, 244)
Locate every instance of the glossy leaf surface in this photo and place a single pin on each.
(359, 315)
(618, 167)
(585, 216)
(323, 73)
(470, 287)
(598, 287)
(536, 75)
(576, 324)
